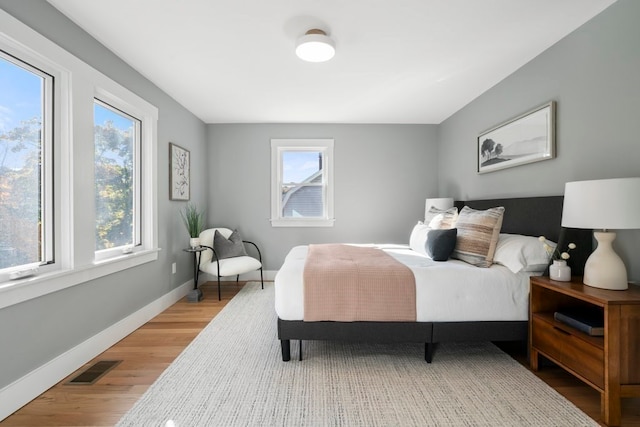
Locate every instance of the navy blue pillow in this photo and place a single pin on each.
(440, 243)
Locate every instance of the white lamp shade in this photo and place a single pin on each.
(611, 204)
(315, 46)
(441, 203)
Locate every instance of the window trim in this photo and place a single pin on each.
(278, 146)
(130, 104)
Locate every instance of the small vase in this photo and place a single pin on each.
(560, 271)
(194, 242)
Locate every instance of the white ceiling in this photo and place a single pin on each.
(397, 61)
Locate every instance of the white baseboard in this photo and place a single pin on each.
(30, 386)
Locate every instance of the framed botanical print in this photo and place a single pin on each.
(179, 172)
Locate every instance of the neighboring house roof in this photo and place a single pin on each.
(304, 200)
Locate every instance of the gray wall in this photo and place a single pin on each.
(35, 331)
(594, 75)
(383, 173)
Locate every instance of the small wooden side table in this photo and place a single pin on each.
(610, 363)
(195, 294)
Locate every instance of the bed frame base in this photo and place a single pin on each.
(429, 333)
(285, 345)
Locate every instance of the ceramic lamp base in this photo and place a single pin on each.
(604, 268)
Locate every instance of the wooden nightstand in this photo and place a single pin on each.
(609, 363)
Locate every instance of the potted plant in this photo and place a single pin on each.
(193, 219)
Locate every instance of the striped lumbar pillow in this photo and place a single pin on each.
(441, 219)
(478, 233)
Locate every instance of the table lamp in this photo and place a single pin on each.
(442, 203)
(605, 204)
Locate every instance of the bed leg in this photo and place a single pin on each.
(428, 351)
(300, 352)
(286, 350)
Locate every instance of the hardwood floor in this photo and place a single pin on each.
(145, 354)
(149, 350)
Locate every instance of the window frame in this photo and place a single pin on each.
(280, 146)
(138, 155)
(76, 86)
(122, 99)
(46, 185)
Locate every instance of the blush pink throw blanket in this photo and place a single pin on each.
(350, 283)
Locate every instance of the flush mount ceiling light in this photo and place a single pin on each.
(315, 46)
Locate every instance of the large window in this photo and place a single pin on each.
(117, 145)
(26, 206)
(78, 170)
(302, 182)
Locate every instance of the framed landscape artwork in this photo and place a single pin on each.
(524, 139)
(179, 170)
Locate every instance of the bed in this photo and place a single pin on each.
(495, 311)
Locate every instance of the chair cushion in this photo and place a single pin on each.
(231, 266)
(228, 248)
(206, 239)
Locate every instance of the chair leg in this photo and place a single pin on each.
(261, 279)
(219, 298)
(237, 278)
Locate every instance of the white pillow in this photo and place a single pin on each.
(522, 253)
(418, 238)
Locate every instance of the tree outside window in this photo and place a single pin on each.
(116, 138)
(23, 101)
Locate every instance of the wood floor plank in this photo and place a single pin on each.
(147, 352)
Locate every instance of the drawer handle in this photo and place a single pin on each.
(561, 330)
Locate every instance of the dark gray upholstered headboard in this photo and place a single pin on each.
(540, 216)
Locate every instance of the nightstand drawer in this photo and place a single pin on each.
(585, 359)
(548, 339)
(582, 357)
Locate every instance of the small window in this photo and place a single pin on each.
(26, 171)
(302, 183)
(117, 145)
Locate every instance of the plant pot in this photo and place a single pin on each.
(194, 242)
(560, 271)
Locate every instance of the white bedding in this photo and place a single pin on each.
(451, 291)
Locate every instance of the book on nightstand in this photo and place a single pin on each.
(588, 321)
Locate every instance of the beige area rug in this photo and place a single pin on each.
(232, 374)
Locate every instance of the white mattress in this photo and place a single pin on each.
(448, 291)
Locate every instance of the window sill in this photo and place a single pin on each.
(17, 291)
(302, 222)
